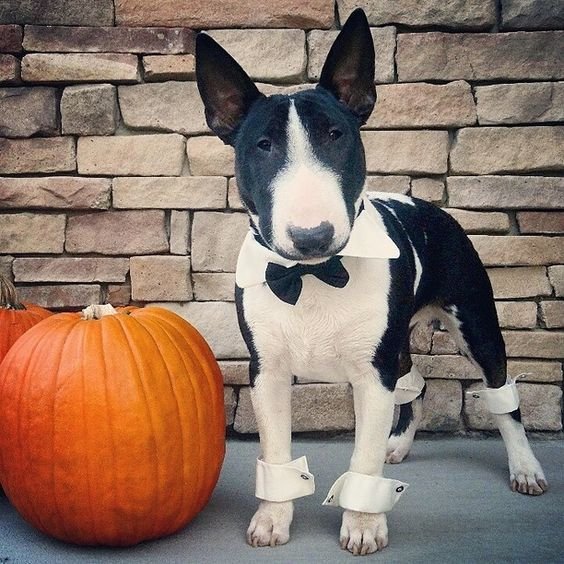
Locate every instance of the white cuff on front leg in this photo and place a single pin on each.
(284, 482)
(500, 400)
(362, 492)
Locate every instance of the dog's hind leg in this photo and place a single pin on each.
(401, 439)
(474, 325)
(403, 434)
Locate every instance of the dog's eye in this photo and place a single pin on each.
(335, 133)
(264, 145)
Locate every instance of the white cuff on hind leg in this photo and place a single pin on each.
(283, 482)
(362, 492)
(408, 387)
(500, 400)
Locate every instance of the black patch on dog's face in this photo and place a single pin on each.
(256, 167)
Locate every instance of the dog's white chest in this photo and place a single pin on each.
(330, 330)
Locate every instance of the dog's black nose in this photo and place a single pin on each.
(312, 240)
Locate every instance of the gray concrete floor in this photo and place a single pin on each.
(458, 509)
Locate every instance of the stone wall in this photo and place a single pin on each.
(112, 187)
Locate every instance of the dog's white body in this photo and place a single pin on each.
(328, 336)
(331, 332)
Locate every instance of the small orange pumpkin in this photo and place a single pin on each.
(15, 318)
(113, 425)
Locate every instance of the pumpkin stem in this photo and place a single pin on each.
(8, 295)
(97, 311)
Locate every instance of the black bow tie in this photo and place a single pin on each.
(286, 283)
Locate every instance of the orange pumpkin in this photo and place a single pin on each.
(113, 425)
(15, 317)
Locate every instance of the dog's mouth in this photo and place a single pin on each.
(302, 251)
(310, 256)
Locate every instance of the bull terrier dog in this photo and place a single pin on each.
(331, 279)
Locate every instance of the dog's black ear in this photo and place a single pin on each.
(348, 72)
(225, 88)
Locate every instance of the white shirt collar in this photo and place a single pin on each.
(368, 239)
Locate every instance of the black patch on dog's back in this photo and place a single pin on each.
(455, 279)
(400, 300)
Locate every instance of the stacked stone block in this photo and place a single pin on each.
(112, 187)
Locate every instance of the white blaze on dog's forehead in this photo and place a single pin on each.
(298, 140)
(305, 191)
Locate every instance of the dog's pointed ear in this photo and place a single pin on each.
(225, 88)
(348, 72)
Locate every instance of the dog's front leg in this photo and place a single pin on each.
(364, 532)
(271, 398)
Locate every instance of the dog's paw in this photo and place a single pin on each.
(398, 448)
(270, 525)
(363, 533)
(526, 476)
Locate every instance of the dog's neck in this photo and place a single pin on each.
(368, 240)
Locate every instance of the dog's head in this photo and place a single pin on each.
(299, 158)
